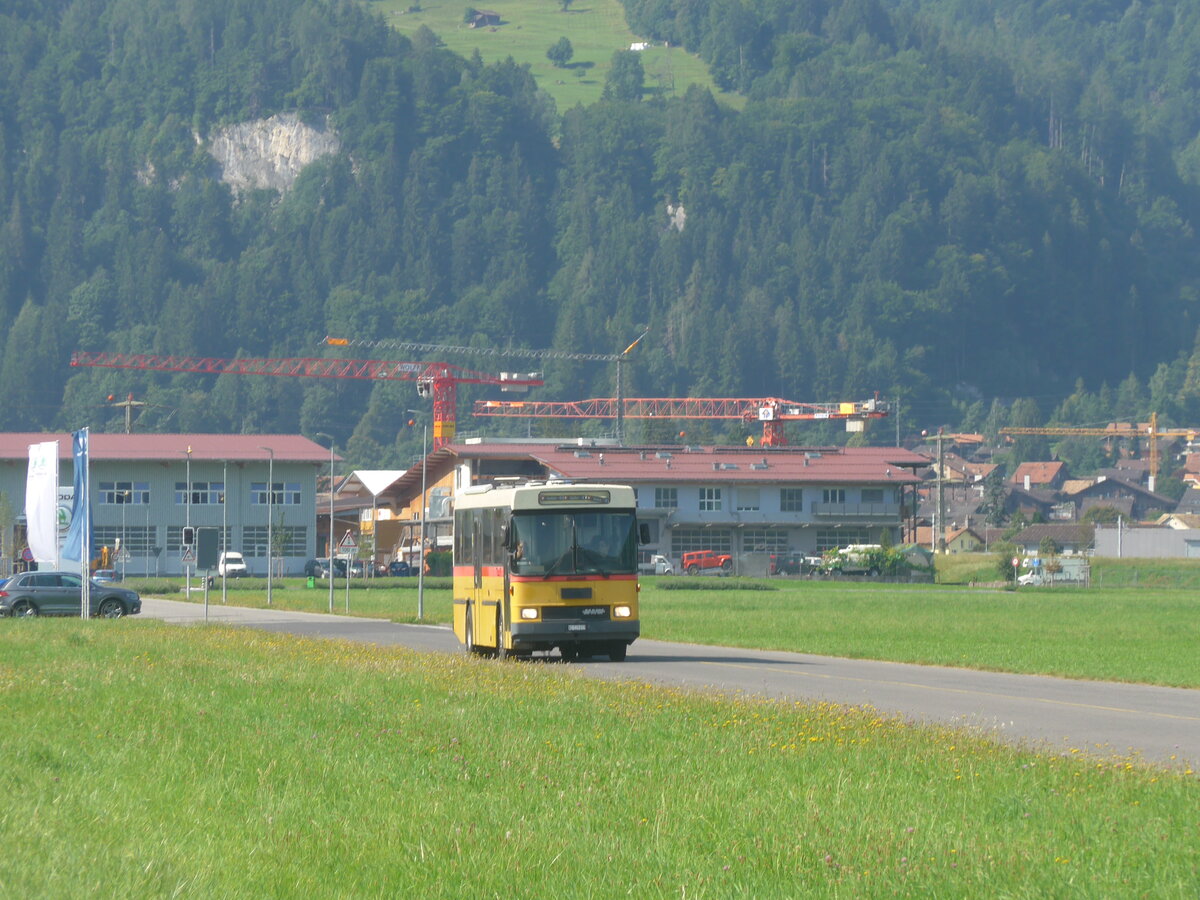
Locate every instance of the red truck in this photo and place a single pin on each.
(696, 560)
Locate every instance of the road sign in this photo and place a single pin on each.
(189, 555)
(348, 542)
(123, 555)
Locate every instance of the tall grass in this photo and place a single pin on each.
(147, 760)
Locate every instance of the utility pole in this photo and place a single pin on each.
(128, 405)
(940, 534)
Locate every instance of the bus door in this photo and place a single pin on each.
(477, 551)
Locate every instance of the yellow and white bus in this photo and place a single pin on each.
(546, 565)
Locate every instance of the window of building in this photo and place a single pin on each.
(204, 493)
(666, 498)
(872, 495)
(284, 493)
(765, 540)
(115, 493)
(289, 541)
(747, 499)
(833, 495)
(710, 499)
(791, 500)
(137, 540)
(683, 540)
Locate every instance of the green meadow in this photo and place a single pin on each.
(147, 760)
(595, 28)
(1109, 634)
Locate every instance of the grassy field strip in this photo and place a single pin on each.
(150, 760)
(1106, 634)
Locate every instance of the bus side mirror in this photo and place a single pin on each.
(644, 533)
(505, 538)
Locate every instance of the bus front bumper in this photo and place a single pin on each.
(543, 635)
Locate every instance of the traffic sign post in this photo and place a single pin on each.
(350, 546)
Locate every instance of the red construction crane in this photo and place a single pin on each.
(771, 411)
(437, 380)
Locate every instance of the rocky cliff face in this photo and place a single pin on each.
(269, 153)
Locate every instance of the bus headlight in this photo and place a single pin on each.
(529, 612)
(622, 612)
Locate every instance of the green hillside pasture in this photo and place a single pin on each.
(1140, 636)
(145, 760)
(595, 28)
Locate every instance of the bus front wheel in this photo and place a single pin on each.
(472, 647)
(501, 650)
(617, 651)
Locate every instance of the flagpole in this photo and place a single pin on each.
(57, 542)
(85, 552)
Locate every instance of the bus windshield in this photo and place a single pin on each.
(574, 543)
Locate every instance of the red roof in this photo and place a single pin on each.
(1038, 472)
(231, 447)
(825, 465)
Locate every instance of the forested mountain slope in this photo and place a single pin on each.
(946, 201)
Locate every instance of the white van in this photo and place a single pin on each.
(232, 565)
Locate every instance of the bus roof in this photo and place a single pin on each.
(547, 495)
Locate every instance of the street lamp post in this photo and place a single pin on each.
(187, 520)
(224, 529)
(330, 439)
(125, 495)
(270, 515)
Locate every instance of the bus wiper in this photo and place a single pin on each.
(554, 565)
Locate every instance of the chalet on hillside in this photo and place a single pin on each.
(485, 18)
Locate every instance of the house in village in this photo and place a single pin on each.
(1071, 540)
(1040, 475)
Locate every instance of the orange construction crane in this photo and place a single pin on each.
(1148, 430)
(437, 380)
(770, 411)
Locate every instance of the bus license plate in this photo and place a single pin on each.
(576, 628)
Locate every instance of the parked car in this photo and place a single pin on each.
(319, 568)
(695, 561)
(111, 575)
(657, 565)
(1031, 579)
(791, 564)
(232, 565)
(59, 594)
(398, 568)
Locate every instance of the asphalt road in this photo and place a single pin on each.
(1156, 724)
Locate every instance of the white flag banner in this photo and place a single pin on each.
(41, 502)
